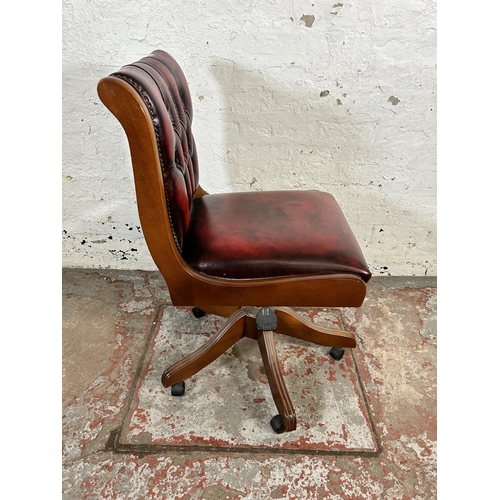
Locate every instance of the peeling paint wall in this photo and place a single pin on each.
(334, 96)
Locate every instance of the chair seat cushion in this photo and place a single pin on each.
(263, 234)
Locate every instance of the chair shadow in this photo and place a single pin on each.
(298, 137)
(284, 138)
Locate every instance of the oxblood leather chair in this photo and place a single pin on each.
(222, 253)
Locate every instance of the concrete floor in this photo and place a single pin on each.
(108, 323)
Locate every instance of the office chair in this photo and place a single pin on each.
(245, 256)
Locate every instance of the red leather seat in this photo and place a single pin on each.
(263, 234)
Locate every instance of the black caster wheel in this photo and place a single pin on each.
(198, 313)
(178, 389)
(277, 425)
(337, 353)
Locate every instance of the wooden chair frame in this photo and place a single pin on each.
(229, 298)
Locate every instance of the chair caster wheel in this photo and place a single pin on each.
(337, 353)
(198, 313)
(277, 425)
(178, 389)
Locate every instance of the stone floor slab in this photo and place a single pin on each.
(228, 404)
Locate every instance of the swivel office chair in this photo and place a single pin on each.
(244, 256)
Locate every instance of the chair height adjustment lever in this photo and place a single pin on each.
(266, 320)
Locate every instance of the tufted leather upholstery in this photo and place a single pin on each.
(164, 89)
(271, 233)
(236, 235)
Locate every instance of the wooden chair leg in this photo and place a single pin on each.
(293, 325)
(232, 331)
(276, 380)
(242, 323)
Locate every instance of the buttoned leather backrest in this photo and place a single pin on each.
(163, 87)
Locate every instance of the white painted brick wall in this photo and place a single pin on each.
(336, 96)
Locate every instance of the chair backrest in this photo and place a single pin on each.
(163, 87)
